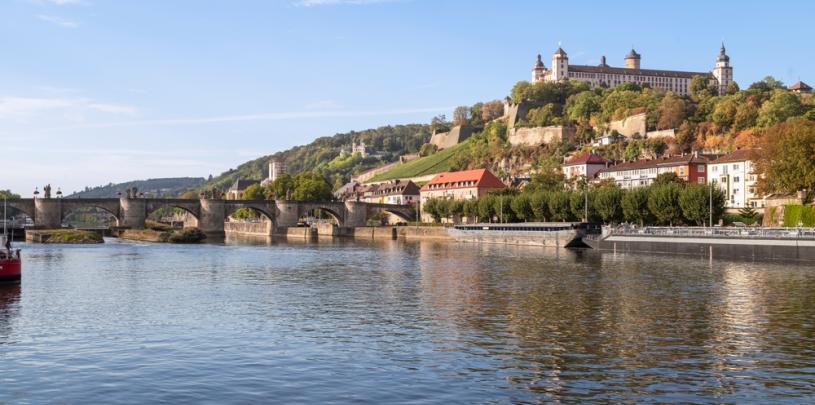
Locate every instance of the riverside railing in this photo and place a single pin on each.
(716, 232)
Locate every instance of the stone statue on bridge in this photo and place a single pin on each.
(47, 191)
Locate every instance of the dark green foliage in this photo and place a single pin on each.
(325, 154)
(559, 206)
(635, 206)
(608, 204)
(663, 202)
(187, 235)
(167, 187)
(695, 201)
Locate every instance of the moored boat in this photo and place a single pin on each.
(10, 263)
(553, 234)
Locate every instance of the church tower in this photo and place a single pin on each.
(560, 65)
(538, 70)
(723, 72)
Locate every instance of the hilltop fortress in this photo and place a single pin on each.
(670, 80)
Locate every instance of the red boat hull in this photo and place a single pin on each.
(9, 270)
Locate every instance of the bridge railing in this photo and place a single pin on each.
(716, 232)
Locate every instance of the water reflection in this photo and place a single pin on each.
(392, 321)
(9, 308)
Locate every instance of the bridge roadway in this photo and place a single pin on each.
(210, 214)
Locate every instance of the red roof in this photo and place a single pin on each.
(738, 155)
(479, 178)
(587, 158)
(682, 160)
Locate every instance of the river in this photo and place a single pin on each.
(395, 322)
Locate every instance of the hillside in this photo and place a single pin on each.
(702, 121)
(166, 187)
(435, 163)
(329, 155)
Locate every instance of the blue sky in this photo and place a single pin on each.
(98, 91)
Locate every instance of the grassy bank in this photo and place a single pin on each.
(67, 236)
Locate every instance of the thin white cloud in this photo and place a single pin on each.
(29, 106)
(315, 3)
(269, 116)
(59, 21)
(61, 2)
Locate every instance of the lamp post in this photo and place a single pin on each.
(36, 192)
(710, 192)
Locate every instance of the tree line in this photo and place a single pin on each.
(668, 201)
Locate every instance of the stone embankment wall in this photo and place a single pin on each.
(367, 175)
(249, 228)
(147, 235)
(536, 136)
(402, 232)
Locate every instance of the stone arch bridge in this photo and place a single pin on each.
(211, 214)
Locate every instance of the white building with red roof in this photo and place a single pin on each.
(463, 185)
(586, 165)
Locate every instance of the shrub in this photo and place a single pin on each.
(188, 235)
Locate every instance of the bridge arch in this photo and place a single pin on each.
(263, 211)
(336, 213)
(69, 210)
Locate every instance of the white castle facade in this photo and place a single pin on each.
(670, 80)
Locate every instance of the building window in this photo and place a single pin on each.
(736, 179)
(701, 180)
(701, 168)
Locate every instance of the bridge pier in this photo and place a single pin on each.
(48, 213)
(288, 213)
(356, 214)
(133, 212)
(212, 218)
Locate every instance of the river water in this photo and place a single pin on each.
(395, 322)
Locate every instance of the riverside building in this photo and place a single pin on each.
(691, 168)
(603, 74)
(733, 174)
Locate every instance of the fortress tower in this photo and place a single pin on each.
(632, 60)
(538, 70)
(560, 65)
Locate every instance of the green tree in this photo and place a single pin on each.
(782, 106)
(608, 204)
(461, 115)
(786, 158)
(470, 210)
(635, 205)
(671, 112)
(431, 206)
(310, 186)
(282, 185)
(700, 89)
(254, 192)
(548, 177)
(486, 207)
(695, 201)
(668, 178)
(522, 207)
(8, 195)
(581, 106)
(663, 202)
(540, 205)
(559, 206)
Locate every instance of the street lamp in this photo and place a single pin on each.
(36, 192)
(59, 193)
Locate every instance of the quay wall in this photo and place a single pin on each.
(249, 228)
(717, 248)
(402, 232)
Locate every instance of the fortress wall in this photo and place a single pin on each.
(536, 136)
(445, 140)
(665, 133)
(635, 124)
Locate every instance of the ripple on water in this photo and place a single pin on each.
(393, 322)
